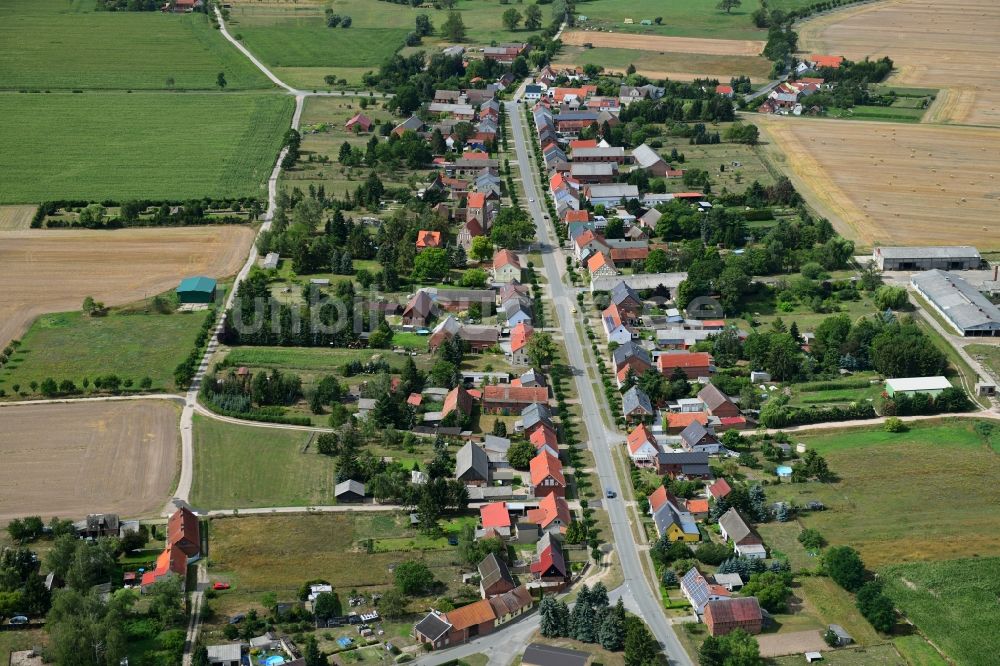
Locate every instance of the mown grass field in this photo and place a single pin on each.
(954, 603)
(65, 44)
(666, 64)
(246, 467)
(907, 496)
(156, 145)
(71, 345)
(308, 358)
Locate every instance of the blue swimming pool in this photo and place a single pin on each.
(274, 660)
(783, 470)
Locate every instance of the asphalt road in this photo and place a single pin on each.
(636, 585)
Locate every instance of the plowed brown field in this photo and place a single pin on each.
(894, 183)
(953, 45)
(726, 47)
(69, 460)
(53, 270)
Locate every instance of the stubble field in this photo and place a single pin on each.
(53, 270)
(948, 45)
(892, 183)
(73, 459)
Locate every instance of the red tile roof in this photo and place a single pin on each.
(597, 261)
(720, 488)
(684, 419)
(520, 335)
(471, 615)
(184, 531)
(549, 509)
(171, 560)
(545, 465)
(732, 611)
(542, 437)
(640, 436)
(697, 506)
(508, 393)
(495, 515)
(576, 216)
(826, 60)
(583, 143)
(477, 199)
(414, 399)
(505, 258)
(547, 559)
(724, 90)
(427, 238)
(458, 398)
(688, 360)
(658, 498)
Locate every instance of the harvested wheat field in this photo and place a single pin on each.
(16, 217)
(953, 45)
(69, 460)
(891, 183)
(53, 270)
(724, 47)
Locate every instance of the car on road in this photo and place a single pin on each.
(18, 619)
(611, 494)
(574, 310)
(531, 200)
(220, 586)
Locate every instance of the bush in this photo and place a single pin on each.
(712, 554)
(894, 424)
(811, 539)
(843, 564)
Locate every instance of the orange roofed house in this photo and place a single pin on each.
(694, 364)
(547, 475)
(183, 547)
(359, 121)
(552, 514)
(426, 239)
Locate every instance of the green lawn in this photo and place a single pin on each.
(918, 652)
(896, 498)
(308, 358)
(71, 345)
(156, 145)
(246, 466)
(954, 603)
(65, 44)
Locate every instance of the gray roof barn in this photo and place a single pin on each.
(472, 463)
(965, 308)
(349, 489)
(535, 413)
(622, 292)
(737, 529)
(493, 570)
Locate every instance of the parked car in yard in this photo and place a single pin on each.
(220, 586)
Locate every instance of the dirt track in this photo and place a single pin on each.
(894, 183)
(954, 44)
(73, 459)
(726, 47)
(53, 270)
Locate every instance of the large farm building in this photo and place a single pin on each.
(968, 311)
(946, 258)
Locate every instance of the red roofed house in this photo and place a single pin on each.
(545, 440)
(171, 562)
(506, 266)
(551, 564)
(719, 489)
(360, 121)
(642, 447)
(478, 208)
(694, 364)
(576, 216)
(726, 615)
(414, 399)
(507, 399)
(186, 5)
(467, 622)
(582, 143)
(519, 343)
(184, 531)
(724, 90)
(458, 399)
(552, 514)
(599, 265)
(677, 421)
(495, 515)
(626, 254)
(658, 498)
(547, 475)
(825, 60)
(698, 508)
(426, 239)
(718, 403)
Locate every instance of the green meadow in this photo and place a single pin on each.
(58, 44)
(141, 145)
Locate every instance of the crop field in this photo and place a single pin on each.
(120, 146)
(721, 47)
(58, 44)
(71, 345)
(54, 270)
(954, 603)
(895, 499)
(246, 467)
(14, 218)
(933, 44)
(666, 64)
(893, 184)
(73, 459)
